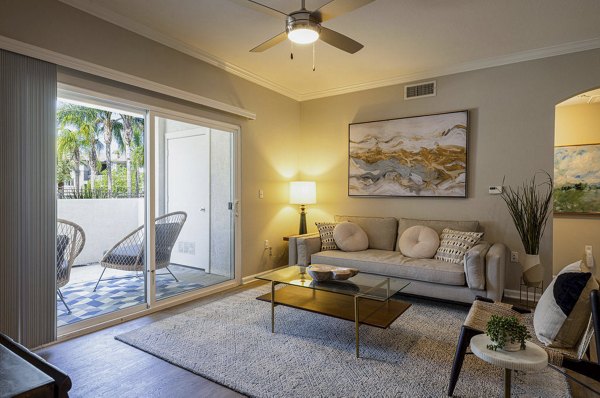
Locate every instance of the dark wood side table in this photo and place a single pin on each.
(24, 374)
(18, 378)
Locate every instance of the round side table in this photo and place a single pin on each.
(533, 358)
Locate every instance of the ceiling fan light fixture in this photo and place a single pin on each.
(302, 28)
(303, 35)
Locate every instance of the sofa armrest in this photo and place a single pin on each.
(475, 265)
(301, 247)
(495, 269)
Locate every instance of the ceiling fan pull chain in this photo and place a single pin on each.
(314, 57)
(291, 50)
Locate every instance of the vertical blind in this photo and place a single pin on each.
(27, 199)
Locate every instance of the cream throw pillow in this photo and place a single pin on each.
(454, 245)
(419, 242)
(349, 237)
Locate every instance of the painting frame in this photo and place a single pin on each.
(559, 187)
(456, 127)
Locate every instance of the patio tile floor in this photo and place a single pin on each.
(115, 294)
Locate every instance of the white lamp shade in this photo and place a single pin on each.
(303, 35)
(303, 192)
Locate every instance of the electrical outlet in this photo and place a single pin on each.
(514, 257)
(261, 194)
(589, 256)
(267, 244)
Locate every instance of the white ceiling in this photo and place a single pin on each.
(405, 40)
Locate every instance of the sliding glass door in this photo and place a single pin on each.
(100, 262)
(146, 209)
(193, 206)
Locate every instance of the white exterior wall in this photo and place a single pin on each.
(104, 221)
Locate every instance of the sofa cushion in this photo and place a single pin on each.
(305, 246)
(475, 265)
(419, 242)
(454, 245)
(437, 225)
(381, 231)
(563, 311)
(385, 262)
(326, 234)
(349, 237)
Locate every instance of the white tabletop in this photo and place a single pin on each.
(530, 359)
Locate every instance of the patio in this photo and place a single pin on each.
(119, 289)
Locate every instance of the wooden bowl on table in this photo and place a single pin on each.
(323, 272)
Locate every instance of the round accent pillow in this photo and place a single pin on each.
(419, 242)
(349, 237)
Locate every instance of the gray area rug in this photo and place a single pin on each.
(230, 342)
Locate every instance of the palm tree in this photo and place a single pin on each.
(137, 157)
(93, 145)
(131, 124)
(85, 121)
(68, 147)
(111, 129)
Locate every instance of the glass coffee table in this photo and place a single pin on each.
(364, 299)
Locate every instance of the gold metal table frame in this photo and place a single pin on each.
(362, 308)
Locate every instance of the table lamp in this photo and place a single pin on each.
(303, 193)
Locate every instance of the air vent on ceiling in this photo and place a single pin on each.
(420, 90)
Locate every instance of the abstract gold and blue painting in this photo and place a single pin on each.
(577, 179)
(423, 156)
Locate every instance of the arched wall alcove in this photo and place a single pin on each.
(576, 221)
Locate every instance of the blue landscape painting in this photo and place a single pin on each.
(577, 179)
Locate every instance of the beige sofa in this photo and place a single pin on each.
(481, 273)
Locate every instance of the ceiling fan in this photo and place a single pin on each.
(304, 26)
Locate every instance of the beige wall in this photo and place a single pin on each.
(511, 134)
(269, 157)
(576, 124)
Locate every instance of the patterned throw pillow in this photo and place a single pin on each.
(326, 232)
(563, 312)
(454, 245)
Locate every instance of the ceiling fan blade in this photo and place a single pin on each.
(273, 41)
(340, 41)
(262, 8)
(336, 8)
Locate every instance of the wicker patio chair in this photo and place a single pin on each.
(70, 240)
(128, 253)
(572, 359)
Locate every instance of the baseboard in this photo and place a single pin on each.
(514, 294)
(250, 278)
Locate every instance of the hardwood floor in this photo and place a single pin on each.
(101, 366)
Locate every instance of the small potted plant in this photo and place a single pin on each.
(506, 333)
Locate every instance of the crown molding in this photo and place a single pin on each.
(30, 50)
(127, 23)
